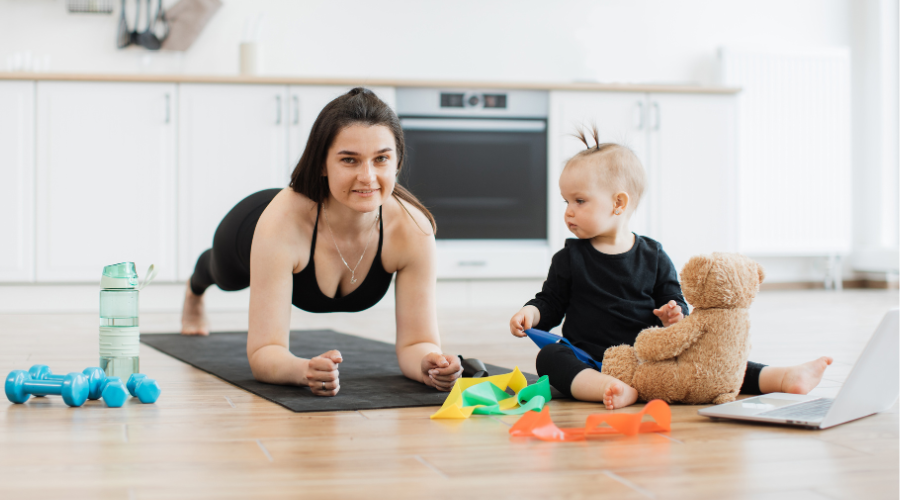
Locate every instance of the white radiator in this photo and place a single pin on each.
(794, 150)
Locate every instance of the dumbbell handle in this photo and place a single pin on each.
(44, 387)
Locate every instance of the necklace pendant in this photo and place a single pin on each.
(352, 280)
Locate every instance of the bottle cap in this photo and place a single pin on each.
(121, 275)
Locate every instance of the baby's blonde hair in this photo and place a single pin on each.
(615, 166)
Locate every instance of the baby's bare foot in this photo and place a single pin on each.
(619, 395)
(801, 379)
(193, 314)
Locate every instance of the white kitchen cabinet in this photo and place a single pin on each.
(693, 166)
(17, 181)
(686, 143)
(305, 104)
(105, 178)
(232, 143)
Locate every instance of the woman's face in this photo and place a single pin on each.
(362, 166)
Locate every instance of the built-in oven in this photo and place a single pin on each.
(478, 161)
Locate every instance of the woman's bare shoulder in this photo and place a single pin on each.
(407, 220)
(409, 238)
(287, 222)
(287, 211)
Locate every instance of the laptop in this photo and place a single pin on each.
(872, 386)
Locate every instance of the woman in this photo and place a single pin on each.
(331, 242)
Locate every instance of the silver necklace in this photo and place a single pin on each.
(368, 240)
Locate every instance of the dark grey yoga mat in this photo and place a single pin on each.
(370, 377)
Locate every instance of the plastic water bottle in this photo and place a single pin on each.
(120, 336)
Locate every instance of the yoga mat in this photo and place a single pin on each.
(370, 377)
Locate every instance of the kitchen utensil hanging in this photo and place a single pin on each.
(153, 34)
(123, 37)
(161, 23)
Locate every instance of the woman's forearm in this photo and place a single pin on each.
(410, 359)
(274, 364)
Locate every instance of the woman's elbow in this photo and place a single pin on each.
(257, 366)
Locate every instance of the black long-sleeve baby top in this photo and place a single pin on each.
(606, 299)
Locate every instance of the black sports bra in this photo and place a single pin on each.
(309, 297)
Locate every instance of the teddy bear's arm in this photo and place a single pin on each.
(656, 344)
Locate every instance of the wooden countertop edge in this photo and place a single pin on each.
(293, 80)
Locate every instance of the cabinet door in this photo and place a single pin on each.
(231, 144)
(105, 178)
(693, 172)
(620, 117)
(17, 181)
(305, 104)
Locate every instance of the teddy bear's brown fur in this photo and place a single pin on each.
(702, 358)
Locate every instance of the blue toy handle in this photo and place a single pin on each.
(542, 338)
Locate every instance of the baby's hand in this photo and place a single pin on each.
(669, 314)
(522, 320)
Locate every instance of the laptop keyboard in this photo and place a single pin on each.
(808, 412)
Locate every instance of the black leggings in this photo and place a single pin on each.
(561, 366)
(227, 263)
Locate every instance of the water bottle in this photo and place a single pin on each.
(120, 336)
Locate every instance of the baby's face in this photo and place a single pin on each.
(590, 208)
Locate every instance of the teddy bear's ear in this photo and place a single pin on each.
(761, 271)
(693, 276)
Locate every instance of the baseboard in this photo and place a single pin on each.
(819, 285)
(168, 297)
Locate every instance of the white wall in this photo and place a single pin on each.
(520, 40)
(876, 83)
(532, 40)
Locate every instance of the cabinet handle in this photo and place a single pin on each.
(640, 107)
(658, 119)
(278, 110)
(296, 109)
(168, 109)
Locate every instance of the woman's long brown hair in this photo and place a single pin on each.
(360, 105)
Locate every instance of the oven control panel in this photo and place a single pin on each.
(472, 100)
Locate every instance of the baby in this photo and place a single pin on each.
(610, 284)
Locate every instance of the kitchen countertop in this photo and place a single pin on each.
(297, 80)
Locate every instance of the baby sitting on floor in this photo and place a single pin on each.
(610, 283)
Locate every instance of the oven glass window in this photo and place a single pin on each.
(480, 184)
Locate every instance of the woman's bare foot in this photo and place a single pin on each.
(619, 395)
(193, 314)
(800, 379)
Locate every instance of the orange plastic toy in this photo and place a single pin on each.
(539, 425)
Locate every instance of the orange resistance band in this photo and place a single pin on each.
(539, 425)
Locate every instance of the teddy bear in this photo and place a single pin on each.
(702, 358)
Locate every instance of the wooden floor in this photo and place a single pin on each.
(207, 439)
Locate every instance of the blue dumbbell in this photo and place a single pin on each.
(114, 392)
(20, 386)
(145, 389)
(39, 372)
(95, 377)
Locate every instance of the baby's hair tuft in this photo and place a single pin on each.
(615, 165)
(581, 136)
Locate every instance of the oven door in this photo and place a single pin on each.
(483, 179)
